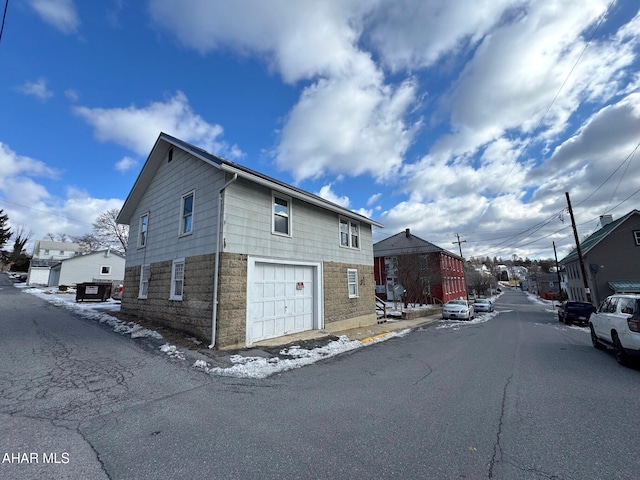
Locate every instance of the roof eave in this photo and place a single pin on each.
(296, 193)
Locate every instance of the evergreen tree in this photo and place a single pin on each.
(5, 231)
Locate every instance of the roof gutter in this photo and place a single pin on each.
(216, 268)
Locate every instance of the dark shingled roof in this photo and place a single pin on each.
(405, 244)
(596, 237)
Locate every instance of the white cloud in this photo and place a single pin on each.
(517, 71)
(521, 74)
(29, 203)
(328, 194)
(61, 14)
(346, 126)
(125, 164)
(138, 128)
(286, 34)
(374, 198)
(348, 120)
(72, 95)
(364, 212)
(411, 34)
(38, 89)
(13, 165)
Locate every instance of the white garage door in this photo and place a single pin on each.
(282, 300)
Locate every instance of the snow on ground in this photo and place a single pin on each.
(258, 367)
(456, 324)
(243, 367)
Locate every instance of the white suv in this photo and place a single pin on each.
(616, 324)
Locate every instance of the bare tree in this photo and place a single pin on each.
(88, 241)
(56, 237)
(478, 282)
(415, 274)
(109, 232)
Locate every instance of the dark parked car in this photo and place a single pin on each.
(578, 312)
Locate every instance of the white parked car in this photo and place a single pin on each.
(457, 309)
(482, 305)
(616, 324)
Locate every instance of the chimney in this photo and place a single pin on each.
(605, 220)
(407, 232)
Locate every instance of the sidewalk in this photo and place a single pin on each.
(274, 350)
(364, 334)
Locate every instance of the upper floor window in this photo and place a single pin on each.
(46, 252)
(105, 270)
(636, 236)
(349, 233)
(186, 218)
(142, 230)
(281, 215)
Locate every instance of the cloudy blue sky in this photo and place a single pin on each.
(469, 117)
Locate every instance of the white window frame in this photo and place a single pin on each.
(191, 215)
(177, 275)
(352, 282)
(277, 196)
(636, 235)
(108, 267)
(143, 288)
(143, 234)
(350, 224)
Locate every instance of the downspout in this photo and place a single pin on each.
(216, 267)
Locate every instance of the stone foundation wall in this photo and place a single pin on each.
(232, 306)
(340, 311)
(192, 314)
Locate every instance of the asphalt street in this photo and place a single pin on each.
(519, 396)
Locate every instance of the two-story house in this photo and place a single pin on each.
(47, 254)
(234, 257)
(427, 272)
(611, 258)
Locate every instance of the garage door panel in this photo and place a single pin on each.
(282, 300)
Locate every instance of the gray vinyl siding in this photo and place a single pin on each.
(162, 200)
(315, 232)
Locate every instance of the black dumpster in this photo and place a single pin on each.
(93, 291)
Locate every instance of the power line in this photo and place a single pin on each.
(46, 212)
(4, 17)
(553, 101)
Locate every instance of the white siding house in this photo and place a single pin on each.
(46, 254)
(105, 266)
(235, 257)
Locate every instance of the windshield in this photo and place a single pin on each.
(457, 302)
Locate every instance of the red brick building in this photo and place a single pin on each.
(429, 274)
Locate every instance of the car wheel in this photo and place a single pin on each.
(594, 339)
(559, 318)
(567, 321)
(621, 356)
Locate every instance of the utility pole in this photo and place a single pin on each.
(579, 250)
(464, 273)
(555, 254)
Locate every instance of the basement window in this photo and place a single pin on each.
(352, 282)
